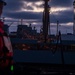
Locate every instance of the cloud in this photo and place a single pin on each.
(31, 10)
(31, 0)
(24, 15)
(13, 5)
(61, 3)
(63, 16)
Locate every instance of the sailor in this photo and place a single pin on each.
(6, 52)
(2, 4)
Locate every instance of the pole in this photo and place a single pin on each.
(57, 27)
(62, 55)
(45, 20)
(21, 21)
(3, 19)
(49, 30)
(74, 18)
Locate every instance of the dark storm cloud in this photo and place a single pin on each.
(31, 0)
(63, 16)
(15, 5)
(24, 15)
(61, 3)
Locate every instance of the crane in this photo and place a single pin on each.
(10, 24)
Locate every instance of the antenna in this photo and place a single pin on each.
(11, 24)
(21, 21)
(49, 28)
(3, 19)
(57, 26)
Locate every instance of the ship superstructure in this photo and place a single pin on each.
(24, 32)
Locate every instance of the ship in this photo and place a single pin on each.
(40, 53)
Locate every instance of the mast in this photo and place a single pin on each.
(45, 20)
(74, 18)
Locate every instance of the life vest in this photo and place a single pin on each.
(6, 57)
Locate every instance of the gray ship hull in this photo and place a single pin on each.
(34, 56)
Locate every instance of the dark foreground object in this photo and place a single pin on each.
(6, 71)
(43, 69)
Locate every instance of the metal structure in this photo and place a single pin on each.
(45, 20)
(57, 27)
(74, 18)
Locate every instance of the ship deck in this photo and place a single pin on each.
(44, 62)
(43, 68)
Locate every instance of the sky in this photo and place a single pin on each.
(31, 12)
